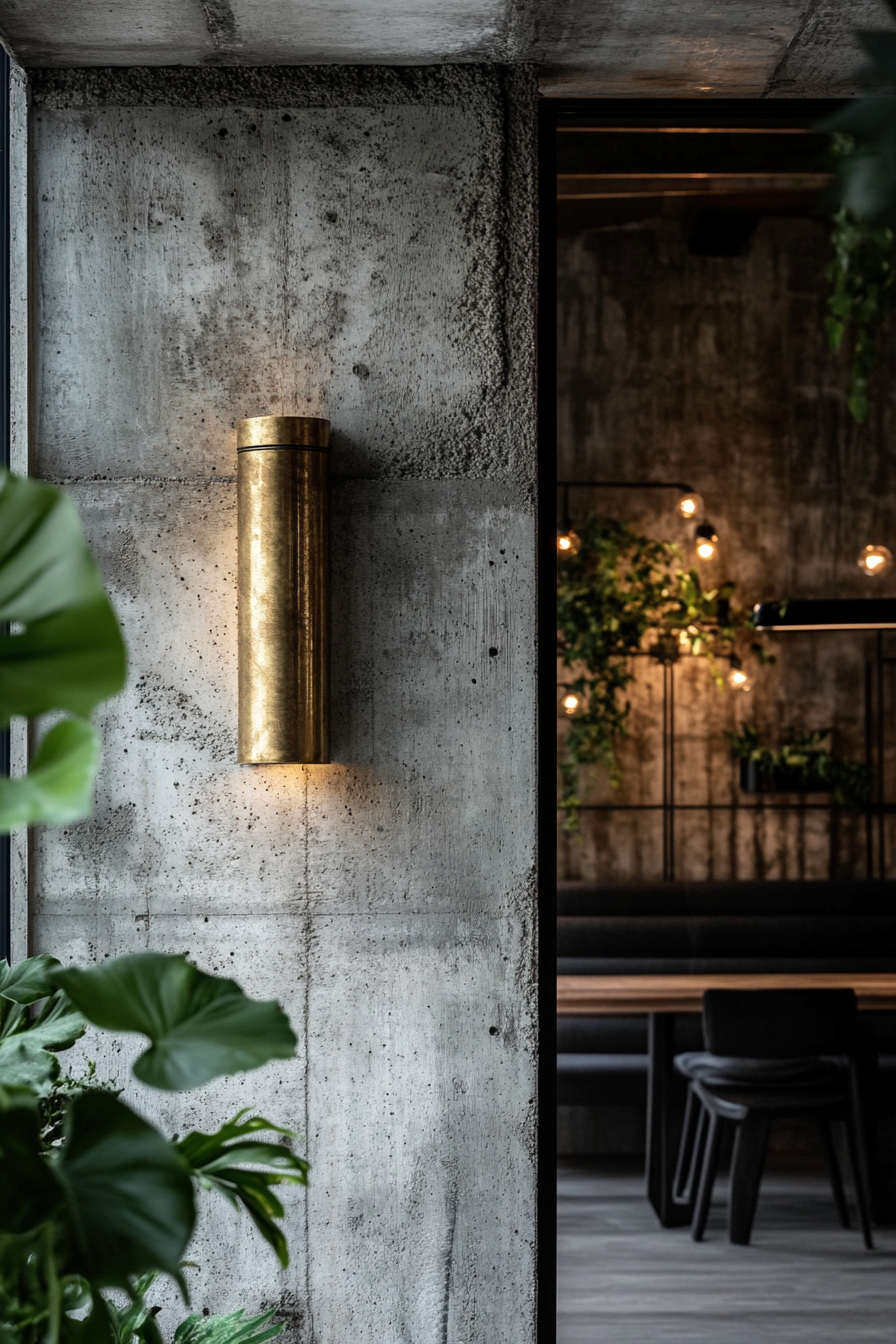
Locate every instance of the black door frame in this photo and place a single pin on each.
(5, 850)
(734, 113)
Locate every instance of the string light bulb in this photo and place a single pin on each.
(738, 679)
(691, 505)
(568, 542)
(707, 541)
(874, 560)
(572, 704)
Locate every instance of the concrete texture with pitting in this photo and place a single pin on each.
(360, 245)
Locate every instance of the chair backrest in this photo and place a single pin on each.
(779, 1023)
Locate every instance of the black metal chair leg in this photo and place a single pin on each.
(707, 1177)
(855, 1142)
(688, 1150)
(697, 1156)
(826, 1130)
(746, 1175)
(861, 1165)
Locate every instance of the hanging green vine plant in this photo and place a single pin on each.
(863, 294)
(623, 594)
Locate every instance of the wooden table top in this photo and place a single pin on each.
(617, 995)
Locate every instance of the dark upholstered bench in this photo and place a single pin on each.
(701, 928)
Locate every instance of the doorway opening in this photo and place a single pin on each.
(699, 459)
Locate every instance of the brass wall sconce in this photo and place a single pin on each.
(284, 634)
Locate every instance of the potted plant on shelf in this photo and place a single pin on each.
(802, 764)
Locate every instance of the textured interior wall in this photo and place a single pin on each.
(714, 371)
(357, 245)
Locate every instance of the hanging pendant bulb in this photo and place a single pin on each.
(572, 703)
(874, 560)
(707, 541)
(691, 506)
(568, 542)
(738, 679)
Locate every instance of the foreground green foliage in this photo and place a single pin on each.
(136, 1322)
(802, 763)
(230, 1329)
(62, 650)
(95, 1197)
(863, 294)
(862, 272)
(620, 596)
(867, 172)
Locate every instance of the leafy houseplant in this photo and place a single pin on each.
(619, 596)
(102, 1198)
(801, 764)
(93, 1196)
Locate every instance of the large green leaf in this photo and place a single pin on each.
(219, 1162)
(67, 652)
(30, 1189)
(56, 1026)
(200, 1026)
(27, 981)
(128, 1197)
(25, 1064)
(58, 788)
(26, 1039)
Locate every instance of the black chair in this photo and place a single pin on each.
(770, 1053)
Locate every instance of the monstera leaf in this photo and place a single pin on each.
(27, 981)
(60, 648)
(200, 1026)
(128, 1198)
(27, 1039)
(30, 1189)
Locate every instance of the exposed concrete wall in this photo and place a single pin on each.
(358, 245)
(715, 371)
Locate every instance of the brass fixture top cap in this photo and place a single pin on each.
(282, 431)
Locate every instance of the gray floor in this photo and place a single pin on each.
(622, 1279)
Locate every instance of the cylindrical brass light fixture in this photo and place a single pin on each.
(284, 590)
